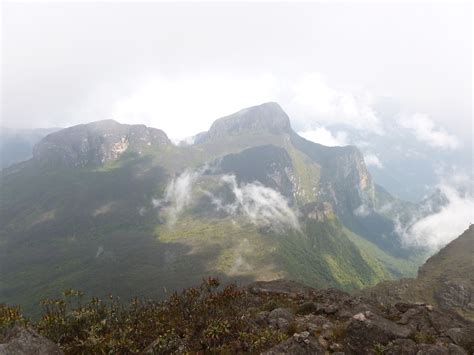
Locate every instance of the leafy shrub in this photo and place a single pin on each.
(10, 316)
(207, 318)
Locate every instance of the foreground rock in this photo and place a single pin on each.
(23, 341)
(333, 321)
(446, 279)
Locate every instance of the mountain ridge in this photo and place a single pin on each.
(256, 204)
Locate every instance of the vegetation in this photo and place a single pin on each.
(206, 318)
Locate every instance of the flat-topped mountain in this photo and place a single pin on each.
(113, 208)
(96, 143)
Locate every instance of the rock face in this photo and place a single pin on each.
(95, 143)
(446, 279)
(343, 166)
(333, 321)
(22, 341)
(265, 118)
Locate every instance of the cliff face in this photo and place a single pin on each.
(95, 143)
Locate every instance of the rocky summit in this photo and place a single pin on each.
(96, 143)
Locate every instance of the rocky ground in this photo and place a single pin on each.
(309, 321)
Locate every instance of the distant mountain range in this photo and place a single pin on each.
(108, 207)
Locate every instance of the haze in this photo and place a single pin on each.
(180, 66)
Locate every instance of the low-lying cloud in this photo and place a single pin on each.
(373, 160)
(261, 205)
(449, 221)
(178, 194)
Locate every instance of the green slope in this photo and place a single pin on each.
(95, 227)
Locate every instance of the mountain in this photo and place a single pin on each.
(111, 208)
(403, 163)
(445, 279)
(96, 143)
(16, 145)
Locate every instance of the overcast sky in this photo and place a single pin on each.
(180, 66)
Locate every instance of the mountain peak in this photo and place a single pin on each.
(265, 118)
(96, 143)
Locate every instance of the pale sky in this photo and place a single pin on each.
(178, 66)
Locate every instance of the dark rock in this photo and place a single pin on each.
(368, 329)
(462, 336)
(452, 294)
(281, 313)
(432, 349)
(456, 350)
(281, 318)
(262, 318)
(298, 344)
(402, 346)
(26, 341)
(307, 308)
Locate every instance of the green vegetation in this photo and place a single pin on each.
(95, 227)
(205, 318)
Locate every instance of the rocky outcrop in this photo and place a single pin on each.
(333, 321)
(452, 295)
(25, 341)
(446, 279)
(96, 143)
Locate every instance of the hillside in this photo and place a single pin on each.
(112, 208)
(445, 279)
(276, 317)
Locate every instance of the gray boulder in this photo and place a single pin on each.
(26, 341)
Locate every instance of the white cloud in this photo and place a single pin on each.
(323, 136)
(362, 211)
(373, 160)
(438, 229)
(425, 131)
(187, 105)
(178, 195)
(314, 101)
(263, 206)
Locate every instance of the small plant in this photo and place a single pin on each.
(10, 316)
(380, 349)
(271, 305)
(338, 331)
(208, 318)
(424, 338)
